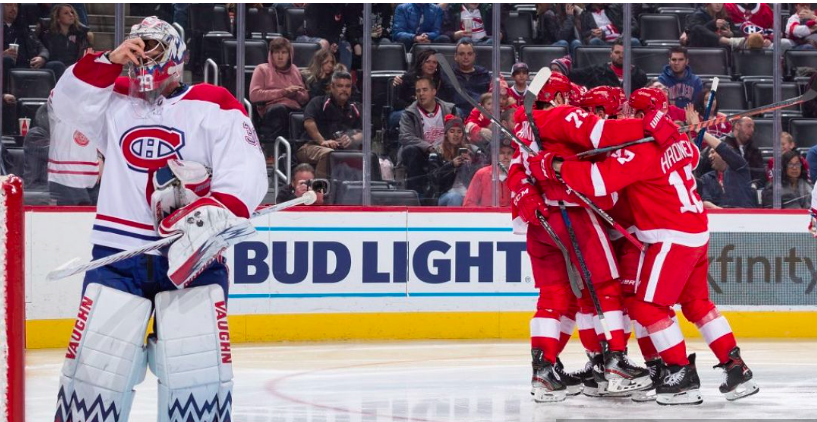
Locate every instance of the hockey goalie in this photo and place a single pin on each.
(179, 161)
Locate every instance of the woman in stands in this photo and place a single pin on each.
(319, 73)
(277, 88)
(425, 65)
(66, 39)
(455, 164)
(795, 188)
(709, 26)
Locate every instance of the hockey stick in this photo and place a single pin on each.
(446, 68)
(700, 139)
(531, 94)
(811, 94)
(590, 288)
(74, 266)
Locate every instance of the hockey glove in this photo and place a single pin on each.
(812, 227)
(541, 166)
(207, 228)
(658, 125)
(527, 202)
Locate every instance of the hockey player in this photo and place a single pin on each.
(180, 160)
(549, 268)
(603, 101)
(669, 216)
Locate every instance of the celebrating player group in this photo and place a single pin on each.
(649, 190)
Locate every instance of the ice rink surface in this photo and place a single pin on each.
(451, 381)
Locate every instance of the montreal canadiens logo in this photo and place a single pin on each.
(151, 147)
(80, 138)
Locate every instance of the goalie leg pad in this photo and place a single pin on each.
(106, 357)
(191, 355)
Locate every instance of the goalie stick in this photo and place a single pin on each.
(809, 95)
(446, 68)
(74, 266)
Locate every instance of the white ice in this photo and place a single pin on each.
(450, 381)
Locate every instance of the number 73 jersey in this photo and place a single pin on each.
(660, 189)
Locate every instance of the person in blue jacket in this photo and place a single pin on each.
(418, 23)
(684, 86)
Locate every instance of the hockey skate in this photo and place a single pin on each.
(679, 385)
(623, 376)
(546, 387)
(656, 368)
(737, 377)
(572, 383)
(592, 376)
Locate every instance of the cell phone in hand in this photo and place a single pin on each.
(463, 151)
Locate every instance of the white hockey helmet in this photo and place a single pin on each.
(165, 64)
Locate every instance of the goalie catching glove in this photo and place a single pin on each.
(206, 228)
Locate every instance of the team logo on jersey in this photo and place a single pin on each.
(249, 135)
(151, 147)
(80, 138)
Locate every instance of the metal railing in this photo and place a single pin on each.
(276, 172)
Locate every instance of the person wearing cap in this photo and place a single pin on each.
(562, 65)
(520, 74)
(422, 128)
(453, 164)
(480, 190)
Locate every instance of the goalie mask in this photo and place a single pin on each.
(165, 63)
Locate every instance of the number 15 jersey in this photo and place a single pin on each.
(660, 188)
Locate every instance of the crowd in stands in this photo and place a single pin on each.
(429, 135)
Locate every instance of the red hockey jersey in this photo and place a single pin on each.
(660, 189)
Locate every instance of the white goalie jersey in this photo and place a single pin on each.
(201, 123)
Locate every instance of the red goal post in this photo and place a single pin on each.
(12, 296)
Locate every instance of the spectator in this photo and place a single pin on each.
(29, 52)
(35, 150)
(787, 144)
(755, 18)
(562, 65)
(422, 129)
(683, 85)
(676, 113)
(302, 175)
(477, 125)
(741, 140)
(610, 73)
(277, 87)
(381, 27)
(602, 23)
(418, 23)
(453, 164)
(795, 192)
(74, 164)
(480, 190)
(66, 40)
(469, 20)
(9, 111)
(811, 159)
(520, 75)
(801, 27)
(473, 79)
(331, 122)
(557, 24)
(728, 183)
(425, 66)
(318, 74)
(721, 129)
(323, 24)
(709, 26)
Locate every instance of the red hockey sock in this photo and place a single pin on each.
(668, 341)
(544, 334)
(567, 325)
(718, 334)
(587, 332)
(645, 343)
